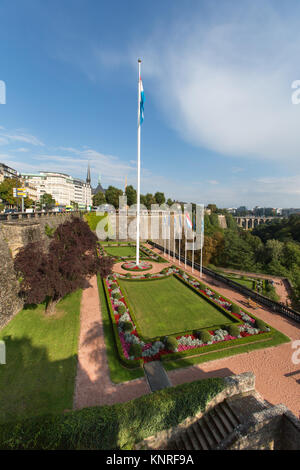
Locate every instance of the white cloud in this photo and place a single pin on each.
(226, 84)
(19, 136)
(21, 149)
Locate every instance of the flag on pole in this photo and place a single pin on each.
(188, 221)
(142, 101)
(174, 235)
(180, 235)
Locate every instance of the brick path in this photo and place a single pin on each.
(93, 385)
(276, 376)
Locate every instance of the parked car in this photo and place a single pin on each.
(10, 211)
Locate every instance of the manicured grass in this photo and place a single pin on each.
(167, 306)
(243, 282)
(93, 219)
(41, 361)
(277, 339)
(118, 373)
(128, 251)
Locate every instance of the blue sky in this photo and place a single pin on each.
(219, 123)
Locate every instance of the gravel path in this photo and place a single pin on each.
(277, 378)
(156, 268)
(93, 385)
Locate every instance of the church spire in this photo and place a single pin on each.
(88, 175)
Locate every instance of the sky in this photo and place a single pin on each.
(220, 125)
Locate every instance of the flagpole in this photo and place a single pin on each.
(174, 237)
(193, 252)
(164, 234)
(138, 168)
(179, 241)
(202, 242)
(180, 236)
(185, 247)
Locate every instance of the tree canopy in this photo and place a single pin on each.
(49, 275)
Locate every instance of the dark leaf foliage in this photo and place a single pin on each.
(70, 260)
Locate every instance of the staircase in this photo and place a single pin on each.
(217, 424)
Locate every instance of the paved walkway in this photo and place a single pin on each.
(156, 268)
(276, 376)
(93, 385)
(279, 283)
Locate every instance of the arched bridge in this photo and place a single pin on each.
(251, 221)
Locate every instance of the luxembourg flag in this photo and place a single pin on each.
(188, 221)
(142, 101)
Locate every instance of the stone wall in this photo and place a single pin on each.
(234, 385)
(10, 303)
(13, 236)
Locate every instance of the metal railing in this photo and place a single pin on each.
(33, 215)
(270, 304)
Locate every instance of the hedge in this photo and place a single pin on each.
(132, 364)
(118, 426)
(216, 346)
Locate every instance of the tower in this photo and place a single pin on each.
(88, 175)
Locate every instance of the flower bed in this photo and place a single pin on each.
(132, 266)
(152, 350)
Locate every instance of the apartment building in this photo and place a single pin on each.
(64, 188)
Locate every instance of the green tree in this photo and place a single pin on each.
(237, 253)
(149, 199)
(99, 199)
(159, 198)
(131, 195)
(6, 190)
(212, 207)
(273, 251)
(112, 195)
(169, 202)
(28, 202)
(47, 200)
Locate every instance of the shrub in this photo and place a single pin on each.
(116, 295)
(205, 336)
(147, 275)
(128, 275)
(127, 326)
(135, 350)
(261, 325)
(233, 330)
(117, 426)
(121, 309)
(171, 343)
(235, 308)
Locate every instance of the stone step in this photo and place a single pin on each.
(217, 436)
(199, 435)
(207, 433)
(242, 407)
(229, 414)
(193, 436)
(223, 418)
(218, 423)
(210, 430)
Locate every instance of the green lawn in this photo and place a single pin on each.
(41, 361)
(128, 251)
(167, 306)
(243, 282)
